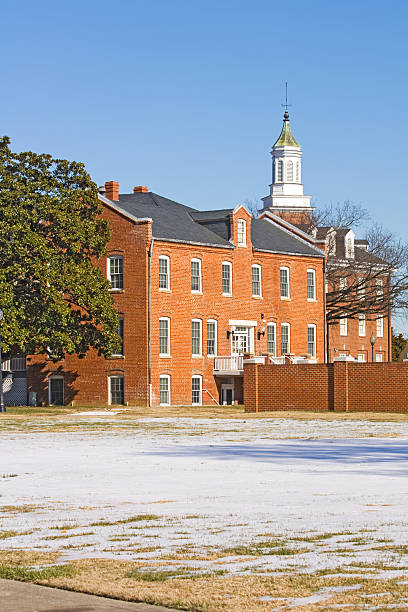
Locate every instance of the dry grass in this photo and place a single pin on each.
(225, 412)
(187, 588)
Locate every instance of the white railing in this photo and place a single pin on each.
(233, 362)
(16, 364)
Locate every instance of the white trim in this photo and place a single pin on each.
(242, 323)
(258, 267)
(361, 325)
(200, 354)
(167, 377)
(165, 258)
(108, 271)
(312, 326)
(313, 272)
(272, 325)
(284, 297)
(238, 207)
(229, 264)
(243, 224)
(200, 290)
(287, 325)
(168, 353)
(120, 210)
(343, 326)
(380, 327)
(215, 338)
(200, 378)
(110, 376)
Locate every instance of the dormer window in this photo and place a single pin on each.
(241, 232)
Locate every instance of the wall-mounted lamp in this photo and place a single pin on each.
(262, 315)
(228, 334)
(261, 333)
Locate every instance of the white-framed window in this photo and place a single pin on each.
(56, 390)
(342, 283)
(289, 169)
(241, 340)
(196, 337)
(256, 281)
(241, 232)
(361, 357)
(349, 246)
(379, 288)
(226, 278)
(343, 326)
(380, 327)
(164, 336)
(197, 390)
(311, 284)
(361, 288)
(285, 338)
(211, 337)
(121, 335)
(284, 282)
(271, 338)
(164, 390)
(311, 340)
(115, 271)
(379, 357)
(164, 272)
(116, 389)
(196, 275)
(279, 173)
(361, 325)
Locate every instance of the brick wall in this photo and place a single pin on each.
(339, 386)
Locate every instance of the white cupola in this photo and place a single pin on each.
(286, 190)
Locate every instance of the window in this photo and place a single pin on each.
(361, 288)
(311, 340)
(380, 327)
(56, 390)
(116, 390)
(343, 326)
(211, 337)
(241, 232)
(361, 325)
(196, 328)
(164, 336)
(164, 280)
(120, 334)
(115, 271)
(342, 284)
(379, 288)
(361, 357)
(256, 281)
(196, 275)
(289, 177)
(279, 173)
(378, 357)
(196, 391)
(284, 282)
(298, 172)
(311, 286)
(271, 338)
(226, 278)
(285, 338)
(164, 390)
(349, 246)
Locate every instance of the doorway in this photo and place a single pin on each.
(56, 391)
(227, 395)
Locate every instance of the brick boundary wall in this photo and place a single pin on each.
(339, 386)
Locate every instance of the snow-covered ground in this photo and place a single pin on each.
(207, 485)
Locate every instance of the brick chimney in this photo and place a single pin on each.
(112, 190)
(140, 189)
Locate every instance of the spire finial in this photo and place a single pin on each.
(286, 105)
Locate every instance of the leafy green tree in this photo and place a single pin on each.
(55, 300)
(399, 342)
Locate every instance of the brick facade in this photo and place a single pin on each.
(339, 386)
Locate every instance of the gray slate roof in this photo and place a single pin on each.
(179, 223)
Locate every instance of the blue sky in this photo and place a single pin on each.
(185, 97)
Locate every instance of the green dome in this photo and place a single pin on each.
(286, 138)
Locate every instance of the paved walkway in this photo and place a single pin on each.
(25, 597)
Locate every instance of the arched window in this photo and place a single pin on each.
(279, 172)
(290, 172)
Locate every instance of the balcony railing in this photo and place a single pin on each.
(229, 364)
(15, 364)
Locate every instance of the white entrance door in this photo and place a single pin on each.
(227, 394)
(240, 341)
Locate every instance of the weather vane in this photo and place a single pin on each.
(286, 105)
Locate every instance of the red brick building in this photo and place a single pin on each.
(196, 291)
